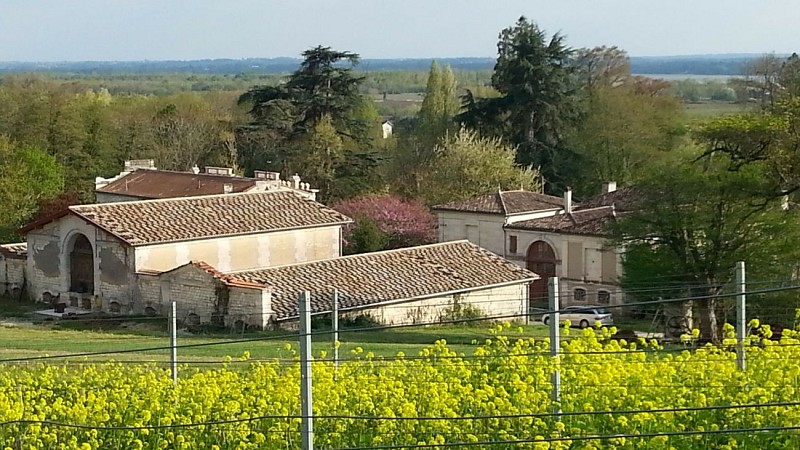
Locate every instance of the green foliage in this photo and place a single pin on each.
(27, 175)
(621, 134)
(90, 133)
(498, 392)
(602, 67)
(366, 236)
(468, 165)
(694, 220)
(693, 91)
(440, 105)
(535, 81)
(317, 117)
(320, 87)
(465, 313)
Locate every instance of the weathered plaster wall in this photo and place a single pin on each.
(485, 230)
(244, 252)
(582, 262)
(48, 264)
(496, 301)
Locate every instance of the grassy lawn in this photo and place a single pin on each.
(709, 110)
(34, 337)
(22, 341)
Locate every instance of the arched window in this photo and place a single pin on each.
(603, 297)
(579, 295)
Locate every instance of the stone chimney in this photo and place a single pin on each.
(133, 164)
(227, 188)
(264, 175)
(296, 181)
(568, 200)
(608, 187)
(195, 169)
(211, 170)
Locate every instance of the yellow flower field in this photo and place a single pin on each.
(611, 389)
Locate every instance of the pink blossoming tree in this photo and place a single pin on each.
(383, 222)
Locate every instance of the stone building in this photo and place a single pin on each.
(92, 255)
(422, 284)
(242, 259)
(549, 235)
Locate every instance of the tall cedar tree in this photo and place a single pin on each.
(286, 119)
(321, 86)
(535, 80)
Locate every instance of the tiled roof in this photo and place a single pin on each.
(393, 275)
(223, 277)
(189, 218)
(585, 221)
(153, 184)
(623, 199)
(505, 202)
(18, 250)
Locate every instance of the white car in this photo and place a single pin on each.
(583, 316)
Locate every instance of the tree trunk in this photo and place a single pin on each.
(708, 320)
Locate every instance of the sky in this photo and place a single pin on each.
(102, 30)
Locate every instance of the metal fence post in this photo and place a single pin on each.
(173, 341)
(741, 317)
(306, 403)
(335, 329)
(555, 338)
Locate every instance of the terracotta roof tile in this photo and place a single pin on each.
(585, 221)
(153, 184)
(393, 275)
(16, 251)
(505, 202)
(189, 218)
(225, 278)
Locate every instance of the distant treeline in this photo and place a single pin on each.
(732, 64)
(235, 66)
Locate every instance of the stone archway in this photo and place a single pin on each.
(540, 259)
(81, 266)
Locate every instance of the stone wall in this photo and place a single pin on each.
(12, 275)
(202, 299)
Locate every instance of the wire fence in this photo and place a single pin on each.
(492, 392)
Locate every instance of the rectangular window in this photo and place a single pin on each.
(512, 244)
(603, 297)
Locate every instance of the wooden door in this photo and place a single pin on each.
(540, 259)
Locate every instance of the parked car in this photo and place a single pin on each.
(583, 316)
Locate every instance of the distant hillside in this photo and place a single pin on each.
(691, 64)
(232, 66)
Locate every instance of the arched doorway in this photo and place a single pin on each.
(540, 259)
(81, 266)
